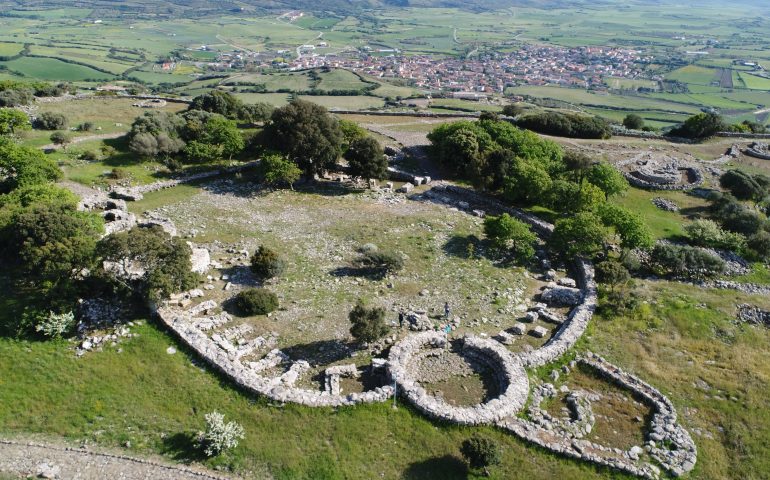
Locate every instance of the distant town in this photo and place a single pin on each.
(485, 73)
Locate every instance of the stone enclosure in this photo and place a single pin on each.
(253, 361)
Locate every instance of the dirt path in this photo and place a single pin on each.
(85, 138)
(37, 460)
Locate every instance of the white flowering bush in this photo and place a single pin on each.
(219, 436)
(55, 324)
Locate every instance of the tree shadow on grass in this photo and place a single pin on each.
(183, 447)
(447, 467)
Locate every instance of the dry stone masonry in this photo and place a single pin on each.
(252, 360)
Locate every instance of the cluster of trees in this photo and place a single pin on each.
(707, 124)
(230, 106)
(313, 140)
(54, 254)
(194, 136)
(737, 227)
(14, 93)
(571, 125)
(528, 170)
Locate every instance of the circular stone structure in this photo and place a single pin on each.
(657, 170)
(508, 371)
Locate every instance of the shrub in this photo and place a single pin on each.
(256, 301)
(612, 273)
(368, 323)
(51, 121)
(480, 452)
(380, 262)
(89, 156)
(265, 263)
(744, 186)
(699, 126)
(55, 325)
(219, 436)
(633, 122)
(759, 245)
(685, 262)
(86, 126)
(706, 233)
(508, 232)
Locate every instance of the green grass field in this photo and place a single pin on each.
(54, 70)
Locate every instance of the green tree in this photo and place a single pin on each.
(51, 121)
(306, 134)
(612, 273)
(148, 262)
(526, 183)
(266, 263)
(276, 169)
(368, 323)
(507, 232)
(578, 163)
(62, 139)
(201, 152)
(366, 158)
(351, 131)
(380, 262)
(217, 101)
(481, 452)
(629, 226)
(12, 121)
(23, 166)
(608, 179)
(513, 110)
(744, 186)
(580, 235)
(256, 301)
(50, 244)
(633, 122)
(223, 132)
(700, 126)
(257, 112)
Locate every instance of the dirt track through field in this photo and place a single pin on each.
(86, 138)
(28, 459)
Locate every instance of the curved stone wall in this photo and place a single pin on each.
(246, 375)
(508, 371)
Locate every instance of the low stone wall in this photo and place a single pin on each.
(668, 442)
(743, 135)
(228, 362)
(575, 325)
(136, 193)
(508, 370)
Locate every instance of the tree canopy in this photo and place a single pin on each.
(366, 158)
(23, 166)
(307, 134)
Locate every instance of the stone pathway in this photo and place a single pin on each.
(31, 459)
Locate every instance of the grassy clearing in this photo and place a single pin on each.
(663, 224)
(52, 69)
(359, 102)
(339, 79)
(754, 82)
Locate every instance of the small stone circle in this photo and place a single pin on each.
(508, 370)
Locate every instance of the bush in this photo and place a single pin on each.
(759, 245)
(51, 121)
(256, 301)
(89, 156)
(633, 122)
(699, 126)
(219, 436)
(56, 325)
(744, 186)
(612, 273)
(507, 232)
(380, 262)
(265, 263)
(706, 233)
(685, 262)
(368, 323)
(566, 125)
(480, 452)
(86, 126)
